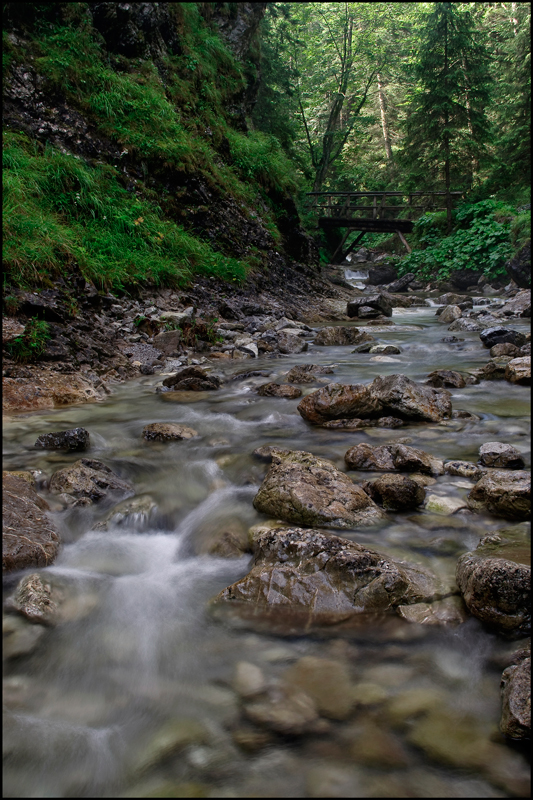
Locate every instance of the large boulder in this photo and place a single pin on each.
(498, 334)
(340, 335)
(463, 278)
(89, 478)
(518, 370)
(504, 493)
(388, 457)
(515, 688)
(519, 305)
(465, 324)
(376, 301)
(30, 539)
(393, 395)
(307, 490)
(450, 314)
(380, 275)
(519, 267)
(495, 581)
(401, 284)
(447, 378)
(304, 579)
(291, 343)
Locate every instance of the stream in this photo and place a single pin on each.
(139, 656)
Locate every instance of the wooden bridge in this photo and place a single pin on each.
(374, 212)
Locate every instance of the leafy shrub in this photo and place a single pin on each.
(30, 344)
(479, 241)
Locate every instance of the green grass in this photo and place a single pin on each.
(59, 211)
(31, 343)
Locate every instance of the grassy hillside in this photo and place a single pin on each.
(128, 168)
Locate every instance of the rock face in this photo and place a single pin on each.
(394, 395)
(279, 390)
(304, 578)
(518, 370)
(463, 278)
(167, 432)
(375, 301)
(500, 456)
(515, 690)
(339, 335)
(495, 582)
(499, 334)
(504, 494)
(192, 379)
(307, 490)
(74, 439)
(395, 492)
(519, 267)
(390, 457)
(29, 537)
(88, 478)
(307, 373)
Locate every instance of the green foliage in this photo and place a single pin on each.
(59, 211)
(31, 343)
(479, 241)
(258, 156)
(521, 230)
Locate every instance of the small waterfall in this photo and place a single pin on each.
(356, 277)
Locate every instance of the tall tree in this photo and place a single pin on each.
(446, 126)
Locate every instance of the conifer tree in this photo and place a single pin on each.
(446, 125)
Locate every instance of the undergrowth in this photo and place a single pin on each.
(480, 241)
(30, 344)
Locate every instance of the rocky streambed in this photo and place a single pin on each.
(293, 561)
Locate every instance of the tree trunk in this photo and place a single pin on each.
(447, 136)
(384, 126)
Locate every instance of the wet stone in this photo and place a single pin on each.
(465, 469)
(516, 699)
(279, 390)
(29, 537)
(90, 479)
(395, 492)
(500, 456)
(167, 432)
(327, 682)
(74, 439)
(504, 493)
(307, 373)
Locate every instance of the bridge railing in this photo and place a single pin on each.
(378, 205)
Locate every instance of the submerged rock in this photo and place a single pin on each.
(307, 373)
(29, 537)
(302, 579)
(167, 432)
(304, 489)
(73, 439)
(504, 494)
(495, 581)
(340, 335)
(193, 379)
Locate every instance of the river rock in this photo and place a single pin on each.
(279, 390)
(167, 432)
(291, 343)
(449, 314)
(503, 493)
(500, 456)
(193, 379)
(499, 334)
(519, 371)
(88, 478)
(465, 469)
(515, 688)
(19, 637)
(340, 335)
(30, 539)
(519, 305)
(444, 504)
(401, 284)
(301, 579)
(385, 349)
(402, 397)
(134, 512)
(495, 581)
(380, 275)
(73, 439)
(504, 349)
(285, 710)
(33, 599)
(339, 401)
(308, 490)
(463, 278)
(448, 611)
(307, 373)
(326, 681)
(395, 492)
(447, 378)
(393, 395)
(376, 301)
(390, 457)
(465, 324)
(169, 342)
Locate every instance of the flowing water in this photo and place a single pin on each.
(139, 655)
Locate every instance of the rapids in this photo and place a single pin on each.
(139, 652)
